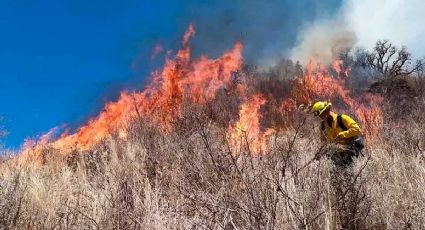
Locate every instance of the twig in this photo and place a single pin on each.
(306, 164)
(344, 193)
(249, 150)
(86, 216)
(207, 145)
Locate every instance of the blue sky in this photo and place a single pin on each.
(60, 61)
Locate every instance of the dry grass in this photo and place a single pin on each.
(192, 180)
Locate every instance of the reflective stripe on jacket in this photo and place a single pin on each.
(330, 129)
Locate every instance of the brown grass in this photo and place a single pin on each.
(192, 180)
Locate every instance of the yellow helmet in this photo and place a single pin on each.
(319, 107)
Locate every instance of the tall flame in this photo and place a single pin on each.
(184, 80)
(246, 132)
(160, 102)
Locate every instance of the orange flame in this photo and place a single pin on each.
(184, 80)
(318, 84)
(338, 66)
(246, 132)
(180, 79)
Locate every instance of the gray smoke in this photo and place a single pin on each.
(400, 21)
(267, 28)
(323, 41)
(363, 23)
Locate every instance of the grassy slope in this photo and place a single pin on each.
(154, 181)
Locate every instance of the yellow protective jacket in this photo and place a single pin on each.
(331, 129)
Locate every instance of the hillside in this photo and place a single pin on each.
(219, 144)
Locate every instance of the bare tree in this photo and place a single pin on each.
(389, 60)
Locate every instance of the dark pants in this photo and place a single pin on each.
(344, 157)
(342, 154)
(345, 200)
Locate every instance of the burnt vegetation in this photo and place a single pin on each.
(192, 178)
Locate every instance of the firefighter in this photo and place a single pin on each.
(340, 132)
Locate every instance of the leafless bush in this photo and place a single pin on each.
(192, 178)
(164, 181)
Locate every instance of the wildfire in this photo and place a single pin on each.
(247, 131)
(197, 81)
(318, 83)
(161, 102)
(338, 66)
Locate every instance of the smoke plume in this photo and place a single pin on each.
(268, 29)
(323, 41)
(362, 23)
(400, 21)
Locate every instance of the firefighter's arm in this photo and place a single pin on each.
(353, 129)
